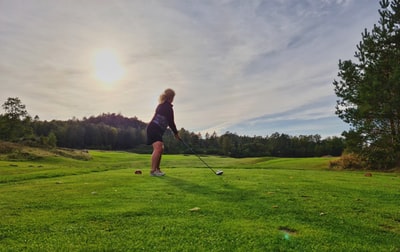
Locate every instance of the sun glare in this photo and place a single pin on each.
(107, 67)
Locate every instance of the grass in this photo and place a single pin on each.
(57, 203)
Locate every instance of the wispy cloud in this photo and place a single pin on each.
(252, 67)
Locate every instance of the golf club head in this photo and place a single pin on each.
(219, 172)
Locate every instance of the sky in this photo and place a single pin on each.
(250, 67)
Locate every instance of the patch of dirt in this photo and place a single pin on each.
(288, 230)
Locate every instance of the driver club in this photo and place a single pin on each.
(219, 172)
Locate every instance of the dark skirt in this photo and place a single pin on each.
(154, 133)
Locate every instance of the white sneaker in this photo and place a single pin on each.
(157, 174)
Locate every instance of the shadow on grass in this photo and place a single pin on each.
(219, 190)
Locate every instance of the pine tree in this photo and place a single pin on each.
(369, 91)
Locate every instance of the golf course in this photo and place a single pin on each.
(78, 201)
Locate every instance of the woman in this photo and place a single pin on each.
(163, 117)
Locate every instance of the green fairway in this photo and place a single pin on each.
(258, 204)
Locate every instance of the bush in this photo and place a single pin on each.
(382, 158)
(348, 161)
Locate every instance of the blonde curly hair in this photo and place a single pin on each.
(168, 95)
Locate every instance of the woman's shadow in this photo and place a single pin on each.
(219, 190)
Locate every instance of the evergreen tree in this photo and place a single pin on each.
(369, 91)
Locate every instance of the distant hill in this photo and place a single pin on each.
(116, 120)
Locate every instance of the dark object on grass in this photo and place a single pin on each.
(138, 172)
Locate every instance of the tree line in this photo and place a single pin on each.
(110, 131)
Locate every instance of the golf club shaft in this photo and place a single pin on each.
(197, 155)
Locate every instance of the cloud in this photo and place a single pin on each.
(312, 117)
(252, 67)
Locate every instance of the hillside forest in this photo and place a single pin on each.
(110, 131)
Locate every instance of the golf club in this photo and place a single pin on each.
(219, 172)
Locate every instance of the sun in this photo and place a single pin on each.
(107, 66)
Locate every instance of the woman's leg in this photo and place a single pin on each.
(158, 148)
